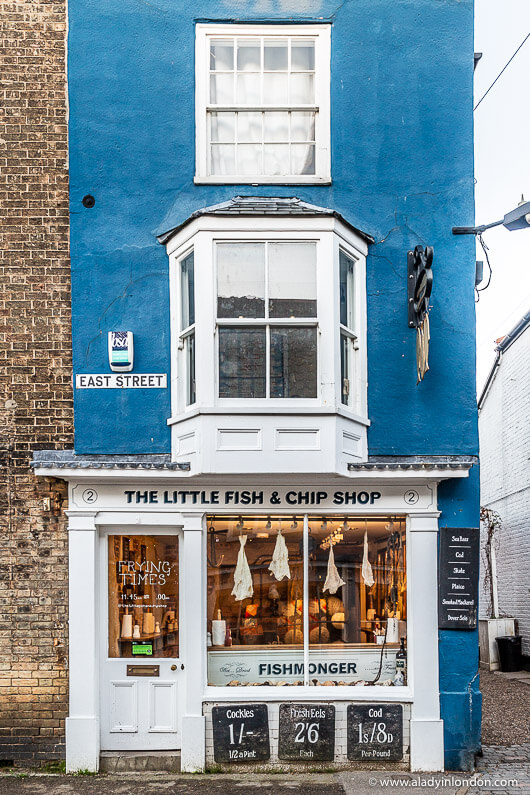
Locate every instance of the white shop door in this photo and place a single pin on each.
(141, 675)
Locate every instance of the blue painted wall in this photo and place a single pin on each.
(402, 169)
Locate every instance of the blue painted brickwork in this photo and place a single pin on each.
(402, 170)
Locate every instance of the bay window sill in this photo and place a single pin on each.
(270, 410)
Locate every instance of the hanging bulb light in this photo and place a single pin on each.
(345, 527)
(294, 524)
(268, 526)
(240, 524)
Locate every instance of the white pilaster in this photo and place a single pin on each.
(426, 728)
(193, 643)
(82, 723)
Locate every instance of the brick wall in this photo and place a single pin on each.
(35, 377)
(505, 479)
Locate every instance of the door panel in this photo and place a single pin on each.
(162, 712)
(140, 627)
(123, 706)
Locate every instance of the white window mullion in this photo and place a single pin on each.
(306, 599)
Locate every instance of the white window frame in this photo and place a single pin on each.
(330, 235)
(322, 36)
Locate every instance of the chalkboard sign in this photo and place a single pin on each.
(307, 732)
(458, 572)
(241, 733)
(375, 732)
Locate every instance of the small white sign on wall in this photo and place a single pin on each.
(121, 381)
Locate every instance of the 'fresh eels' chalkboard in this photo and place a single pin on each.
(307, 732)
(458, 572)
(241, 733)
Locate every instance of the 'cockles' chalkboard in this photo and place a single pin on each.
(307, 732)
(375, 731)
(458, 572)
(241, 733)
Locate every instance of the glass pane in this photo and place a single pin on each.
(249, 159)
(221, 89)
(255, 630)
(221, 55)
(241, 280)
(187, 291)
(241, 362)
(302, 56)
(276, 159)
(345, 367)
(143, 596)
(346, 266)
(222, 127)
(276, 127)
(357, 599)
(275, 88)
(248, 89)
(302, 89)
(248, 56)
(303, 126)
(292, 280)
(293, 362)
(249, 127)
(223, 159)
(275, 55)
(189, 344)
(302, 159)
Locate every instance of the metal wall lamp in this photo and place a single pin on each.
(515, 219)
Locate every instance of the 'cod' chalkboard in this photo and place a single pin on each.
(241, 733)
(307, 732)
(375, 732)
(458, 572)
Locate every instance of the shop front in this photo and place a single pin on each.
(250, 622)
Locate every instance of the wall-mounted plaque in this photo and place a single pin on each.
(458, 572)
(375, 732)
(307, 732)
(241, 733)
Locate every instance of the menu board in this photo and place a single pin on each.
(458, 574)
(241, 733)
(375, 732)
(307, 732)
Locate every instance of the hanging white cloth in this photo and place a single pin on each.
(366, 570)
(243, 588)
(333, 579)
(279, 564)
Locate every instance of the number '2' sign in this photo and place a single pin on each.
(307, 732)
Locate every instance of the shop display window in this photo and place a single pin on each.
(305, 600)
(143, 582)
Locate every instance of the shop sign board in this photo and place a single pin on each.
(275, 664)
(458, 574)
(241, 733)
(295, 499)
(375, 732)
(307, 732)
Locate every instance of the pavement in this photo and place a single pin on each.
(503, 770)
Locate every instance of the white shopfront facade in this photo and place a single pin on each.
(116, 707)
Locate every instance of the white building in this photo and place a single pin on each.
(504, 430)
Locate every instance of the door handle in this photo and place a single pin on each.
(173, 667)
